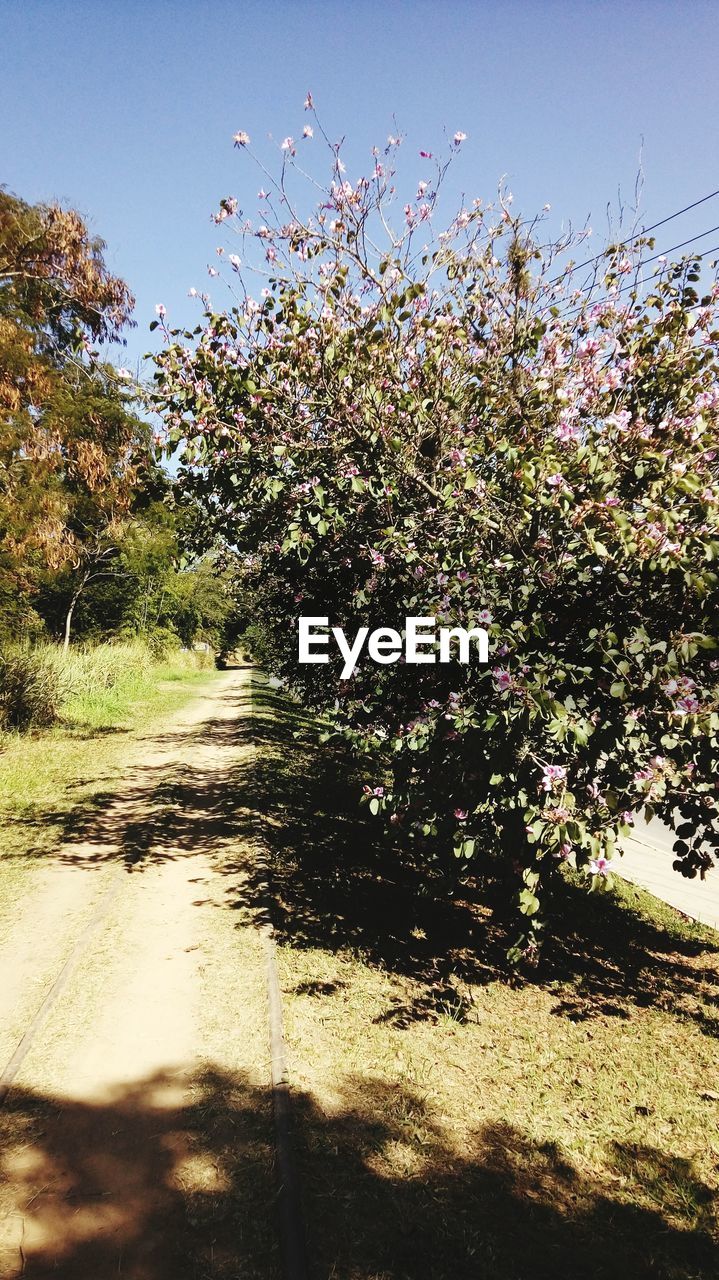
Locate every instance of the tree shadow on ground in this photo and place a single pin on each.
(151, 1188)
(186, 794)
(339, 883)
(168, 1179)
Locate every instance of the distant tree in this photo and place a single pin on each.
(69, 443)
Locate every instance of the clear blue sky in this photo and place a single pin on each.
(126, 110)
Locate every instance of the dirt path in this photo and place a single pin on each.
(136, 1135)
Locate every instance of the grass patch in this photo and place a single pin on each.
(452, 1118)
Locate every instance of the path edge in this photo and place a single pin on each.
(293, 1245)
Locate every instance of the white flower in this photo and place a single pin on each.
(236, 262)
(308, 131)
(161, 310)
(241, 139)
(459, 137)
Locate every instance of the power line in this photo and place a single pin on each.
(674, 247)
(620, 244)
(634, 284)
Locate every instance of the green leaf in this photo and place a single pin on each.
(528, 903)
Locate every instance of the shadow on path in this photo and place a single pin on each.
(339, 884)
(141, 1188)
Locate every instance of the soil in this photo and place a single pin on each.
(136, 1130)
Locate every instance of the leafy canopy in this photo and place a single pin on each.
(410, 415)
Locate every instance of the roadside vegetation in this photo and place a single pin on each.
(452, 1119)
(101, 614)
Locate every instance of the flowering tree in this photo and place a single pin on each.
(398, 419)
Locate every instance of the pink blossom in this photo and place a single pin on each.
(503, 678)
(600, 866)
(555, 480)
(459, 137)
(620, 420)
(588, 347)
(461, 815)
(161, 310)
(241, 139)
(287, 144)
(308, 131)
(551, 774)
(567, 431)
(688, 705)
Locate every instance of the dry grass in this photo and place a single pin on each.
(454, 1120)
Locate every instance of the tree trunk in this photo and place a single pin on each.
(71, 609)
(68, 623)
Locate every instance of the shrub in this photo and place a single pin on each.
(162, 641)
